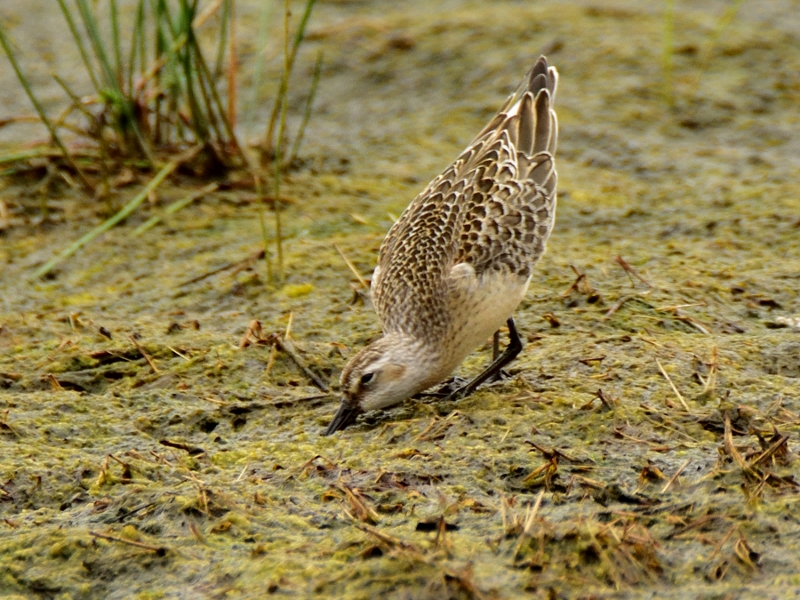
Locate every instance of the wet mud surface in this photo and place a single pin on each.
(644, 444)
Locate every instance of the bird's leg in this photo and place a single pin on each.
(512, 350)
(495, 354)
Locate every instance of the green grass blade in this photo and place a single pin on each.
(110, 222)
(289, 56)
(39, 109)
(168, 49)
(722, 24)
(90, 23)
(137, 44)
(184, 28)
(94, 126)
(307, 112)
(222, 41)
(204, 72)
(110, 80)
(283, 105)
(175, 207)
(261, 50)
(165, 17)
(301, 29)
(116, 43)
(263, 223)
(25, 155)
(233, 69)
(79, 43)
(142, 38)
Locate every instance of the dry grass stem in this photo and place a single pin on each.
(675, 476)
(239, 264)
(774, 448)
(731, 450)
(672, 385)
(144, 354)
(160, 550)
(287, 346)
(527, 527)
(631, 271)
(362, 282)
(721, 543)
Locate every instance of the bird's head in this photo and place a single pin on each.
(385, 373)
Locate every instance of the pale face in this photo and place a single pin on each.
(383, 374)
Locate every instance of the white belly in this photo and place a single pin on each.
(480, 306)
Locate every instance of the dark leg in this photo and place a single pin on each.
(514, 347)
(495, 354)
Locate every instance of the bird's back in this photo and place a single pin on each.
(489, 214)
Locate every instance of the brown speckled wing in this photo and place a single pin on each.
(493, 208)
(508, 221)
(416, 257)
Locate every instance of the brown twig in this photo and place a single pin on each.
(721, 543)
(160, 550)
(288, 347)
(730, 448)
(672, 385)
(600, 395)
(769, 452)
(580, 278)
(617, 305)
(631, 271)
(674, 478)
(693, 525)
(362, 511)
(284, 344)
(351, 266)
(240, 264)
(253, 331)
(144, 354)
(391, 541)
(655, 446)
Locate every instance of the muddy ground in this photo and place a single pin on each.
(645, 444)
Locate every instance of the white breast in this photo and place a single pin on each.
(480, 306)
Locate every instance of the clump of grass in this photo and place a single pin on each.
(155, 97)
(273, 151)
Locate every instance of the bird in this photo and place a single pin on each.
(456, 264)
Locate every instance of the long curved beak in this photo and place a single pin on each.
(344, 417)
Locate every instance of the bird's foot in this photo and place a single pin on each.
(467, 388)
(446, 390)
(501, 375)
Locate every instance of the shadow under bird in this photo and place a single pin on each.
(456, 265)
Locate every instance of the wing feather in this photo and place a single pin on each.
(493, 208)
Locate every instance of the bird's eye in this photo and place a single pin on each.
(366, 378)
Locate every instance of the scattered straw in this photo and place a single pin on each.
(160, 550)
(351, 266)
(631, 271)
(530, 516)
(144, 354)
(674, 478)
(672, 385)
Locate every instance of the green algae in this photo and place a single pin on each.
(218, 460)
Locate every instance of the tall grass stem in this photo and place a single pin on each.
(40, 110)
